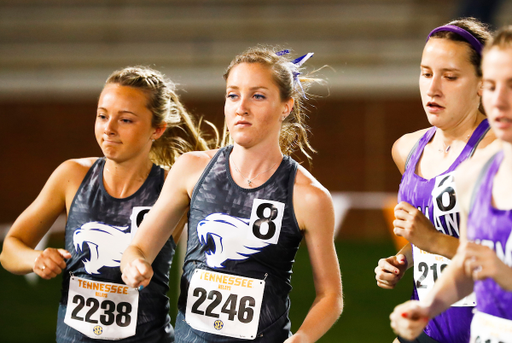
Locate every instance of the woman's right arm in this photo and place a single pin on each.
(162, 219)
(19, 255)
(391, 269)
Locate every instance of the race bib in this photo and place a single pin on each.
(427, 268)
(102, 310)
(486, 328)
(224, 304)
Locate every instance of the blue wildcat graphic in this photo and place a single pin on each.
(229, 237)
(106, 244)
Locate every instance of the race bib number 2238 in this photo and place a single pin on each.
(102, 310)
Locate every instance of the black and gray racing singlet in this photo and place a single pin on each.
(96, 304)
(240, 251)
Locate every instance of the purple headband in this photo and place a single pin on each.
(475, 43)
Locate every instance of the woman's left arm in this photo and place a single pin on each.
(315, 214)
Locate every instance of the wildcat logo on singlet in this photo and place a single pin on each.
(225, 237)
(106, 245)
(445, 206)
(219, 297)
(233, 238)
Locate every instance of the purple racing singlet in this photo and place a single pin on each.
(493, 228)
(436, 199)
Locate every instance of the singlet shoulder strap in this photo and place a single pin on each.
(96, 168)
(208, 168)
(414, 148)
(480, 133)
(479, 179)
(417, 149)
(294, 167)
(98, 164)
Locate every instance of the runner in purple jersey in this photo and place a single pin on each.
(483, 262)
(427, 213)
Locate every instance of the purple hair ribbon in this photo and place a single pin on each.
(299, 62)
(283, 52)
(475, 43)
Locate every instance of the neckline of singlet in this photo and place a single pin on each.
(102, 161)
(228, 150)
(473, 141)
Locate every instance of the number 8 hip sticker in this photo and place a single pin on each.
(266, 220)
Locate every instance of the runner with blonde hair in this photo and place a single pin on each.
(141, 127)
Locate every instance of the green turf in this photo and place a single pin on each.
(28, 313)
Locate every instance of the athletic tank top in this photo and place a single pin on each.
(98, 230)
(436, 199)
(491, 227)
(223, 220)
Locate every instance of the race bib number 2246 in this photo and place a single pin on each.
(224, 304)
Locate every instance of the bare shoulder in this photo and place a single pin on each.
(71, 173)
(403, 146)
(474, 165)
(63, 183)
(75, 169)
(81, 163)
(310, 198)
(189, 167)
(194, 160)
(307, 185)
(488, 146)
(468, 172)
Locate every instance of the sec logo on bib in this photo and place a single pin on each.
(98, 330)
(218, 324)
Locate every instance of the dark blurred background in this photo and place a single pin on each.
(56, 54)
